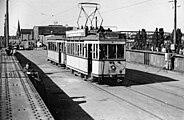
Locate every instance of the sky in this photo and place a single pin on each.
(124, 15)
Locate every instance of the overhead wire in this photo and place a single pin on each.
(127, 6)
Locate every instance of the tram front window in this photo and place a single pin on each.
(112, 51)
(120, 51)
(103, 51)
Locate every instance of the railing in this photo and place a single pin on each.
(153, 58)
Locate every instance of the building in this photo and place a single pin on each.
(41, 31)
(26, 34)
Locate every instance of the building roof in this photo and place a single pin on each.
(26, 31)
(52, 29)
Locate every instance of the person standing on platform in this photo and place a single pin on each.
(171, 56)
(166, 64)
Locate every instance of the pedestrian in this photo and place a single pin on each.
(166, 63)
(14, 51)
(28, 68)
(172, 54)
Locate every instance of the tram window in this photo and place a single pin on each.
(61, 47)
(78, 49)
(75, 49)
(96, 51)
(112, 51)
(81, 50)
(120, 51)
(86, 50)
(69, 48)
(48, 46)
(57, 47)
(103, 51)
(72, 49)
(52, 46)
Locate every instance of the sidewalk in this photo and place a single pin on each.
(156, 71)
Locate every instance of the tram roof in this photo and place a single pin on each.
(95, 36)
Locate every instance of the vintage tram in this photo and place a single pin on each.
(93, 53)
(56, 49)
(96, 54)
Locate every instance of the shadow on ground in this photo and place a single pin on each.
(61, 106)
(135, 77)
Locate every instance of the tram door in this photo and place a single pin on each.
(59, 52)
(89, 59)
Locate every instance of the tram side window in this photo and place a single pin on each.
(94, 51)
(85, 50)
(120, 51)
(52, 46)
(75, 49)
(57, 47)
(112, 51)
(103, 51)
(48, 45)
(62, 47)
(71, 48)
(78, 49)
(81, 50)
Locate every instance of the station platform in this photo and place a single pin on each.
(19, 100)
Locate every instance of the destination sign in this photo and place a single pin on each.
(76, 33)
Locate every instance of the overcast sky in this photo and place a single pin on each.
(125, 14)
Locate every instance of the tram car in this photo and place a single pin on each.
(96, 54)
(56, 49)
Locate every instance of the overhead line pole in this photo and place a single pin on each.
(7, 25)
(175, 21)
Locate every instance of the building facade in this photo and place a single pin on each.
(41, 31)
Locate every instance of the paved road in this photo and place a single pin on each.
(150, 96)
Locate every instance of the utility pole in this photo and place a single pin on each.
(175, 21)
(7, 25)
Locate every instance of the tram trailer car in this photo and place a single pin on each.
(95, 54)
(56, 50)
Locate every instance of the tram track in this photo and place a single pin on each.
(124, 100)
(102, 88)
(155, 98)
(161, 89)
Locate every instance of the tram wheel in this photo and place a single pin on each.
(100, 81)
(82, 75)
(72, 71)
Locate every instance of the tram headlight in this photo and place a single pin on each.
(113, 67)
